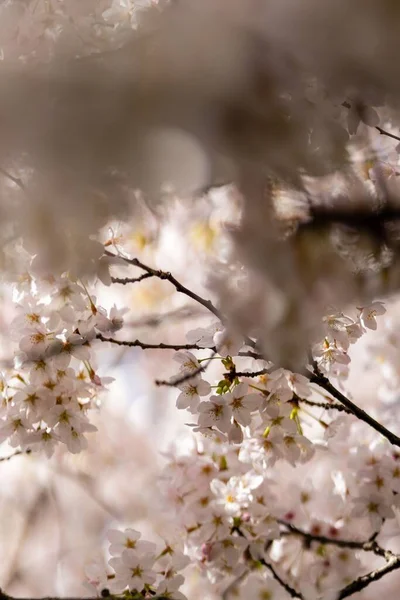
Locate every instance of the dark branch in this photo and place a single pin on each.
(324, 383)
(126, 280)
(384, 132)
(380, 129)
(365, 580)
(325, 405)
(293, 593)
(15, 180)
(17, 453)
(178, 380)
(145, 346)
(164, 275)
(251, 373)
(169, 277)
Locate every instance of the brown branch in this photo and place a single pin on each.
(365, 580)
(232, 374)
(325, 405)
(15, 180)
(126, 280)
(380, 129)
(293, 593)
(251, 373)
(169, 277)
(162, 346)
(17, 453)
(178, 380)
(166, 276)
(145, 346)
(384, 132)
(324, 383)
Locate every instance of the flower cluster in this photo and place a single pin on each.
(340, 332)
(48, 396)
(139, 567)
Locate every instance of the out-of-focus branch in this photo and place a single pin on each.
(14, 179)
(17, 453)
(126, 596)
(156, 320)
(367, 546)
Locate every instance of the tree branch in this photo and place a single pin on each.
(178, 380)
(127, 596)
(250, 373)
(325, 405)
(367, 546)
(15, 180)
(293, 593)
(145, 346)
(164, 275)
(362, 582)
(380, 129)
(324, 383)
(126, 280)
(169, 277)
(17, 453)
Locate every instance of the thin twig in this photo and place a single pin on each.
(380, 129)
(384, 132)
(162, 346)
(127, 280)
(169, 277)
(166, 276)
(293, 593)
(233, 585)
(17, 453)
(4, 596)
(145, 346)
(155, 320)
(179, 380)
(326, 405)
(15, 180)
(251, 373)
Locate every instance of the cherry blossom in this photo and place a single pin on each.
(191, 392)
